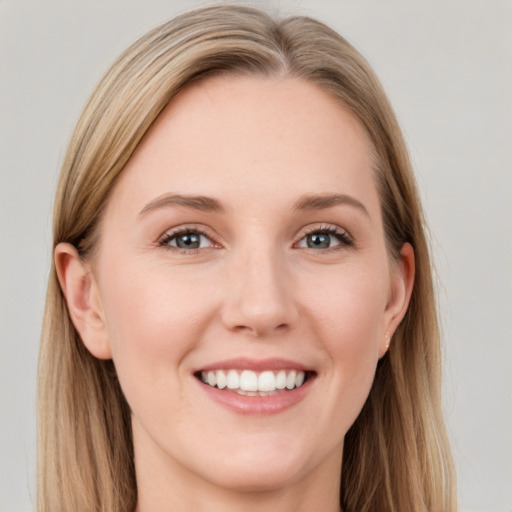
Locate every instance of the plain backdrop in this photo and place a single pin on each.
(447, 67)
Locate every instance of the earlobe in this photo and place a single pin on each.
(402, 283)
(84, 305)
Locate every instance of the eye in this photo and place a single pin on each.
(325, 238)
(186, 240)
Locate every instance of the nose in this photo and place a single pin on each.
(259, 298)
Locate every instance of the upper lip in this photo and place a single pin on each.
(242, 363)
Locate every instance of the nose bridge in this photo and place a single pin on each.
(260, 298)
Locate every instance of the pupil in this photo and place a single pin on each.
(319, 241)
(188, 241)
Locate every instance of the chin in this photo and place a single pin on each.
(272, 476)
(263, 467)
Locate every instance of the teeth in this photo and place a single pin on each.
(290, 380)
(222, 380)
(252, 383)
(248, 381)
(266, 382)
(233, 381)
(281, 380)
(212, 379)
(247, 393)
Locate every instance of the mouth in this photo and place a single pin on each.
(256, 386)
(252, 383)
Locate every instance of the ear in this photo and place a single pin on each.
(82, 296)
(402, 282)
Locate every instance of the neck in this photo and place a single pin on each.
(218, 500)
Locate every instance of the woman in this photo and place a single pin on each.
(241, 312)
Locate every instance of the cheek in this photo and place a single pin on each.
(154, 318)
(348, 307)
(347, 318)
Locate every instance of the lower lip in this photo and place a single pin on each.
(257, 405)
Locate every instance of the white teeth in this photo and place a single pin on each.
(267, 393)
(248, 381)
(290, 380)
(251, 383)
(222, 380)
(233, 380)
(247, 393)
(212, 379)
(266, 381)
(281, 380)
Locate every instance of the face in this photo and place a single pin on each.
(242, 284)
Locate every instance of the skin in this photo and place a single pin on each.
(253, 289)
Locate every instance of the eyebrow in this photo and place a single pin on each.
(209, 204)
(323, 201)
(202, 203)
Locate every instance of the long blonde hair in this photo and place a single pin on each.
(396, 456)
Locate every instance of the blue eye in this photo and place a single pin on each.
(325, 238)
(187, 240)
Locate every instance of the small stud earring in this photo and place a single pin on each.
(388, 339)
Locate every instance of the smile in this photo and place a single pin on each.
(256, 387)
(252, 383)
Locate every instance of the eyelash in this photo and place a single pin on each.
(165, 240)
(343, 237)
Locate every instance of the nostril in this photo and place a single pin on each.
(260, 330)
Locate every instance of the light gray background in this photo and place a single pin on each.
(447, 67)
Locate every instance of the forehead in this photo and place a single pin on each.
(230, 135)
